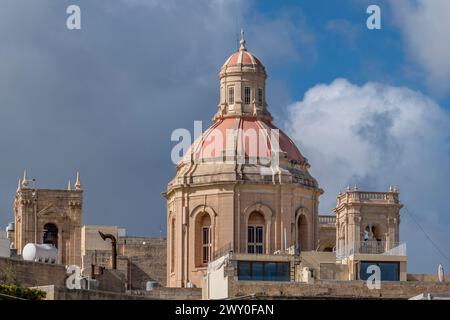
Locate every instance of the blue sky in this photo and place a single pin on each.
(370, 55)
(105, 99)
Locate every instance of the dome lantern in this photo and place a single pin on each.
(243, 86)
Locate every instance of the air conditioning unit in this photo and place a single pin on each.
(150, 285)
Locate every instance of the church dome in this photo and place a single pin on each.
(242, 57)
(249, 137)
(243, 144)
(242, 185)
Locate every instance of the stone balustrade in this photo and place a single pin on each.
(327, 219)
(363, 196)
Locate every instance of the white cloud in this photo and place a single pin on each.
(376, 135)
(425, 26)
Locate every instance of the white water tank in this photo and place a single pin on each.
(10, 227)
(46, 253)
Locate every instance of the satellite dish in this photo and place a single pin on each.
(441, 273)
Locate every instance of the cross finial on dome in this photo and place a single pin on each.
(242, 42)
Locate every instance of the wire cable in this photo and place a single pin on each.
(426, 235)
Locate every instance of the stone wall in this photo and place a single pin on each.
(111, 280)
(332, 271)
(147, 260)
(91, 240)
(140, 259)
(34, 273)
(59, 293)
(423, 277)
(334, 289)
(171, 293)
(323, 265)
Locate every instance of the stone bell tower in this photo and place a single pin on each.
(50, 216)
(367, 222)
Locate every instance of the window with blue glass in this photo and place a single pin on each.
(263, 271)
(258, 271)
(390, 271)
(244, 271)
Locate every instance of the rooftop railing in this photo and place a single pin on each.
(362, 196)
(372, 247)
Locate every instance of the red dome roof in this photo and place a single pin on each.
(247, 136)
(242, 57)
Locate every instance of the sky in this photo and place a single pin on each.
(366, 107)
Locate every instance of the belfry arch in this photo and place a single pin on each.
(51, 234)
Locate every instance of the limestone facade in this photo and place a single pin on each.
(367, 222)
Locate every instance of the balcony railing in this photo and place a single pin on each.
(327, 219)
(374, 196)
(372, 247)
(361, 196)
(228, 248)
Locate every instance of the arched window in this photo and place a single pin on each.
(377, 233)
(302, 233)
(50, 234)
(372, 233)
(203, 239)
(372, 239)
(255, 233)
